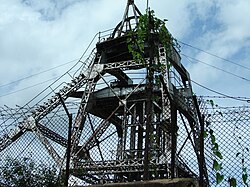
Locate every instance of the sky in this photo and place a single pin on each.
(50, 35)
(36, 36)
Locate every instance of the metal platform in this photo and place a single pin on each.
(120, 132)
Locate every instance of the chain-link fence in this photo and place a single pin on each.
(231, 130)
(230, 127)
(35, 151)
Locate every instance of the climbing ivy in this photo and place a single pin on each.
(138, 41)
(217, 164)
(138, 38)
(244, 151)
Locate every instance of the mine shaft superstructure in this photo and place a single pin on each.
(126, 124)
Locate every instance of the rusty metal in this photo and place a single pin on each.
(68, 143)
(125, 114)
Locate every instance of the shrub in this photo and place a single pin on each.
(25, 172)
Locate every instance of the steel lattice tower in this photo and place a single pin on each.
(125, 129)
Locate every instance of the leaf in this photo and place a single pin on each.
(205, 134)
(244, 170)
(213, 139)
(232, 182)
(244, 178)
(218, 154)
(215, 147)
(247, 149)
(217, 166)
(237, 154)
(211, 102)
(219, 178)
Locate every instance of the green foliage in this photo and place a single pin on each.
(138, 39)
(25, 172)
(217, 166)
(211, 102)
(213, 105)
(244, 169)
(244, 178)
(215, 146)
(205, 134)
(242, 155)
(232, 182)
(219, 178)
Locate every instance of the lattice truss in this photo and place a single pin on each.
(110, 138)
(107, 96)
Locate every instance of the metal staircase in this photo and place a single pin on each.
(108, 140)
(31, 122)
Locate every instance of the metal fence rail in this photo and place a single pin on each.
(230, 126)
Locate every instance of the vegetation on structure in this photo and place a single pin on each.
(25, 172)
(150, 26)
(217, 162)
(138, 41)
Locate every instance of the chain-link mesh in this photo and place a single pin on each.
(109, 107)
(231, 130)
(104, 155)
(230, 126)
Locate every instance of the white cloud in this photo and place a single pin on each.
(38, 35)
(177, 14)
(226, 35)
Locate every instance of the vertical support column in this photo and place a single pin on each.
(119, 148)
(148, 131)
(173, 139)
(132, 133)
(201, 156)
(68, 151)
(158, 137)
(141, 110)
(125, 130)
(166, 119)
(149, 90)
(69, 140)
(202, 161)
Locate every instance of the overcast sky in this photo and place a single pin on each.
(36, 35)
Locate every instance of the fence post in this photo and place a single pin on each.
(69, 141)
(201, 157)
(68, 151)
(173, 121)
(201, 182)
